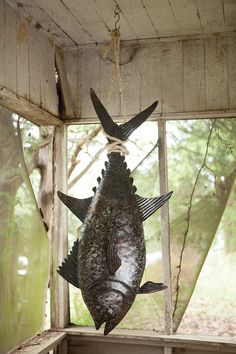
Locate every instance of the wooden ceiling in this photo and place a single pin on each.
(78, 22)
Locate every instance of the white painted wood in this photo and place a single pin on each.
(47, 75)
(89, 19)
(105, 10)
(150, 71)
(136, 16)
(40, 344)
(10, 52)
(172, 77)
(216, 73)
(161, 16)
(110, 87)
(194, 75)
(22, 56)
(232, 72)
(165, 232)
(40, 18)
(59, 289)
(72, 59)
(186, 16)
(211, 14)
(26, 109)
(130, 74)
(34, 66)
(90, 78)
(64, 18)
(149, 338)
(230, 14)
(65, 88)
(2, 40)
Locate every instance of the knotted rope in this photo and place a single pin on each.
(116, 146)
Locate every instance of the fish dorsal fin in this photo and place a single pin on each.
(69, 268)
(128, 127)
(147, 206)
(151, 287)
(113, 260)
(78, 206)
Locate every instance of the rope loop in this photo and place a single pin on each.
(117, 145)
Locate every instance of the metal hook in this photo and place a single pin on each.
(117, 14)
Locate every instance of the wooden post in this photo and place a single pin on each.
(59, 242)
(165, 229)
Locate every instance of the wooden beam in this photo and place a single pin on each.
(150, 338)
(40, 344)
(63, 80)
(163, 117)
(165, 232)
(59, 242)
(26, 109)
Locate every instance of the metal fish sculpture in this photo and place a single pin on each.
(108, 261)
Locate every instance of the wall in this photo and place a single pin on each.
(27, 67)
(189, 78)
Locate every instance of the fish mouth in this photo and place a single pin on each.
(108, 328)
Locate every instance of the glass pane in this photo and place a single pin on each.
(147, 311)
(201, 167)
(23, 245)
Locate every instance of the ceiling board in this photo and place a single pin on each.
(78, 22)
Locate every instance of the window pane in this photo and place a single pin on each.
(201, 168)
(23, 245)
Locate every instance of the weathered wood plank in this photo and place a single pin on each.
(186, 16)
(34, 66)
(105, 9)
(89, 19)
(72, 60)
(40, 19)
(230, 15)
(109, 87)
(150, 69)
(161, 16)
(165, 228)
(10, 52)
(232, 72)
(172, 77)
(2, 40)
(26, 109)
(64, 18)
(130, 74)
(140, 23)
(216, 67)
(22, 56)
(47, 74)
(65, 88)
(211, 14)
(90, 78)
(41, 344)
(59, 300)
(194, 75)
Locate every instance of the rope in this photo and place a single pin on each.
(116, 146)
(114, 44)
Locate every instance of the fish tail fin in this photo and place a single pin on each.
(124, 130)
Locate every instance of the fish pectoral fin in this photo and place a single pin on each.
(69, 268)
(151, 287)
(79, 207)
(147, 206)
(113, 260)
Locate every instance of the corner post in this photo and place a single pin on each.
(59, 289)
(165, 233)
